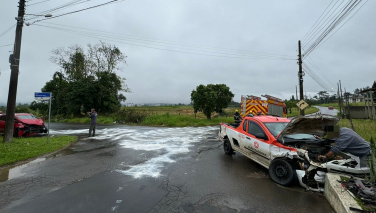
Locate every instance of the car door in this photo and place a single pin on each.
(2, 123)
(242, 136)
(259, 147)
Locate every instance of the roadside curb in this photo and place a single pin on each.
(338, 197)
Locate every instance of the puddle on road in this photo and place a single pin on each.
(16, 171)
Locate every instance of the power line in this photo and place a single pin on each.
(344, 13)
(6, 45)
(132, 40)
(316, 21)
(58, 8)
(160, 42)
(76, 11)
(3, 33)
(309, 59)
(211, 53)
(319, 28)
(343, 24)
(315, 77)
(331, 27)
(37, 3)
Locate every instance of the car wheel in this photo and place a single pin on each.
(282, 172)
(16, 132)
(227, 147)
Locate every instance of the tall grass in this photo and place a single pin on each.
(102, 119)
(365, 128)
(182, 120)
(296, 112)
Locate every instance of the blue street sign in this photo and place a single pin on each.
(42, 96)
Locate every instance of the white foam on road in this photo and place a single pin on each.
(69, 131)
(169, 142)
(173, 141)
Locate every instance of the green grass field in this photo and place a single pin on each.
(172, 116)
(365, 128)
(176, 110)
(336, 106)
(296, 112)
(183, 120)
(102, 119)
(24, 148)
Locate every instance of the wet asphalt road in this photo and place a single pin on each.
(326, 111)
(148, 169)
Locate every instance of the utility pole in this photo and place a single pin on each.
(339, 101)
(296, 90)
(14, 60)
(300, 75)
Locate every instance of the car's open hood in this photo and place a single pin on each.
(32, 121)
(313, 124)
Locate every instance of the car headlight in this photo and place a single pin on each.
(306, 165)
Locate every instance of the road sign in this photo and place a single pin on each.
(302, 104)
(42, 96)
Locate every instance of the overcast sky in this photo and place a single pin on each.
(159, 72)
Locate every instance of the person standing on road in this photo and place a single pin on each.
(93, 121)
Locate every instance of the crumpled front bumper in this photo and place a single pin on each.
(319, 178)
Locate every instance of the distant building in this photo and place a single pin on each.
(370, 93)
(356, 99)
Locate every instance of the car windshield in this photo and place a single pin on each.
(275, 127)
(26, 117)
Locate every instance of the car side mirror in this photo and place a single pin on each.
(261, 136)
(15, 121)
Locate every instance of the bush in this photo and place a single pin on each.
(182, 120)
(130, 116)
(22, 109)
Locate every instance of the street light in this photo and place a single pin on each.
(47, 15)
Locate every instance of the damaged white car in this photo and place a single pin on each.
(289, 149)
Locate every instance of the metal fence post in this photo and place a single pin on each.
(49, 119)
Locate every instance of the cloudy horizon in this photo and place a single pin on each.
(173, 46)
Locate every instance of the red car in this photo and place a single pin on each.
(25, 124)
(330, 107)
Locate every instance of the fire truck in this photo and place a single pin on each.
(270, 106)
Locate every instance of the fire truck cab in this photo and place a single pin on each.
(271, 106)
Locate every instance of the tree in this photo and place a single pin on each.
(87, 79)
(291, 103)
(347, 96)
(211, 98)
(41, 107)
(356, 91)
(223, 96)
(323, 95)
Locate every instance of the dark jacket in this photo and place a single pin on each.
(93, 118)
(349, 141)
